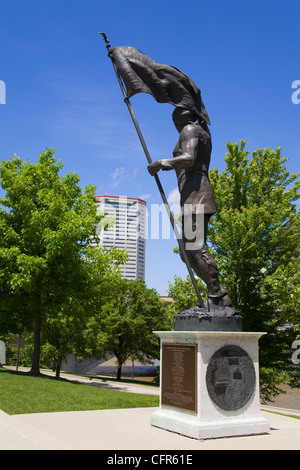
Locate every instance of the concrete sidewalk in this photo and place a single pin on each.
(130, 429)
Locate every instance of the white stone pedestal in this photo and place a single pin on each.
(223, 368)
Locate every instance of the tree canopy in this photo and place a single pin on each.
(127, 321)
(255, 237)
(183, 293)
(47, 224)
(255, 231)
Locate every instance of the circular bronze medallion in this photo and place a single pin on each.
(230, 377)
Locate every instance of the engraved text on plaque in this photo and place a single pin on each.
(179, 376)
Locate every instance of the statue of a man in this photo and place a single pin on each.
(191, 159)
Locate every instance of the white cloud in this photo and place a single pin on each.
(118, 175)
(123, 175)
(145, 196)
(174, 197)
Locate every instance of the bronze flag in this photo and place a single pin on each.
(165, 83)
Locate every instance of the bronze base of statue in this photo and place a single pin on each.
(200, 319)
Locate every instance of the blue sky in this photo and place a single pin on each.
(61, 90)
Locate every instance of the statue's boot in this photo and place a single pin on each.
(219, 301)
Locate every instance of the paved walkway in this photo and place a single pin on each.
(130, 429)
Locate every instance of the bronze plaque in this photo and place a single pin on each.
(179, 376)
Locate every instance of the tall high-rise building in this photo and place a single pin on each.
(128, 231)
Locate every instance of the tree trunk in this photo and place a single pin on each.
(18, 353)
(35, 366)
(119, 372)
(58, 366)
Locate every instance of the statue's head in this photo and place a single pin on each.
(182, 117)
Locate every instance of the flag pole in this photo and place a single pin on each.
(162, 193)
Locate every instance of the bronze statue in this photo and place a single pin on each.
(138, 73)
(191, 159)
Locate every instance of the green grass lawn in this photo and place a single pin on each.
(21, 393)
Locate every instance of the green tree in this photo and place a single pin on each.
(255, 238)
(284, 284)
(46, 225)
(67, 333)
(128, 320)
(183, 293)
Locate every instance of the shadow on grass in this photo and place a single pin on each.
(94, 381)
(45, 393)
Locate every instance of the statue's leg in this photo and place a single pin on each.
(206, 268)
